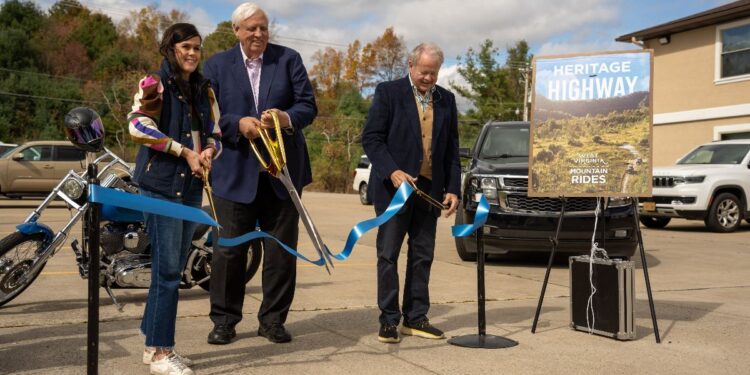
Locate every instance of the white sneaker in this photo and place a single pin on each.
(148, 355)
(170, 365)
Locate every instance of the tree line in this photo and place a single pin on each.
(52, 61)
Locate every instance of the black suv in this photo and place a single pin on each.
(499, 169)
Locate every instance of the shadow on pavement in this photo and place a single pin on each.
(670, 312)
(60, 346)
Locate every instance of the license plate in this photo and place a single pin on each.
(649, 206)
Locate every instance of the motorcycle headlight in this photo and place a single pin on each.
(73, 188)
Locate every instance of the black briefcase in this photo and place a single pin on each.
(613, 302)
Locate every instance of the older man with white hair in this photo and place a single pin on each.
(411, 135)
(251, 80)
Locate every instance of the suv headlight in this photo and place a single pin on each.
(619, 201)
(489, 187)
(73, 188)
(689, 180)
(486, 186)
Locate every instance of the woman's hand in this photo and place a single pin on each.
(207, 156)
(194, 161)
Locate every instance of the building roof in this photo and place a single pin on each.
(722, 14)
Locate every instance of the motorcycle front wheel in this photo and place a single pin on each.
(18, 253)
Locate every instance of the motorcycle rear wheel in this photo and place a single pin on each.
(18, 252)
(254, 256)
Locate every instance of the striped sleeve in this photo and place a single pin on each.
(214, 139)
(143, 119)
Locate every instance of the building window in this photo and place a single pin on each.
(733, 52)
(729, 132)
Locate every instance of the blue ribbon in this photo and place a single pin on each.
(402, 194)
(98, 194)
(112, 197)
(483, 209)
(363, 227)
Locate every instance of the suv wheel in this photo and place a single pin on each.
(724, 215)
(363, 198)
(461, 248)
(655, 222)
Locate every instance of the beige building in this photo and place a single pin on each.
(701, 79)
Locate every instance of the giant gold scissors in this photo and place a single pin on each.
(276, 166)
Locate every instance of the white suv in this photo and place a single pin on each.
(361, 176)
(710, 183)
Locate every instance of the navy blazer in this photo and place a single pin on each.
(392, 140)
(284, 85)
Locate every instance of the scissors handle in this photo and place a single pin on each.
(426, 196)
(275, 148)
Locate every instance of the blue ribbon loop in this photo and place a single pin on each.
(483, 209)
(112, 197)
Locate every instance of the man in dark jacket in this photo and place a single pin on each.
(411, 134)
(252, 78)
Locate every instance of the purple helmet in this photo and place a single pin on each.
(84, 129)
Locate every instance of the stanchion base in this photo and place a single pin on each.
(482, 341)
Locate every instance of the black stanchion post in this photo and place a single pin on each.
(636, 216)
(481, 340)
(92, 227)
(482, 320)
(555, 241)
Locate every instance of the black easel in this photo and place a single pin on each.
(92, 230)
(555, 241)
(636, 217)
(481, 340)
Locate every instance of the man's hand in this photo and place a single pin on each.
(267, 119)
(249, 127)
(451, 200)
(399, 176)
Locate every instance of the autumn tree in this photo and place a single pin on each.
(18, 22)
(143, 30)
(221, 39)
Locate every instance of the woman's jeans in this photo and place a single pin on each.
(170, 243)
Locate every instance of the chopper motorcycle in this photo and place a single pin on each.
(125, 256)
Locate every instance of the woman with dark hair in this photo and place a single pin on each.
(175, 118)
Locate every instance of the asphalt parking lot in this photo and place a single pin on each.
(700, 283)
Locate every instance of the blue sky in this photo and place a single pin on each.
(550, 27)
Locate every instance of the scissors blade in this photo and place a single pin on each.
(306, 220)
(209, 193)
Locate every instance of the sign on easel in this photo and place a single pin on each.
(591, 121)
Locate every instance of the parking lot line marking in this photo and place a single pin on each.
(58, 273)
